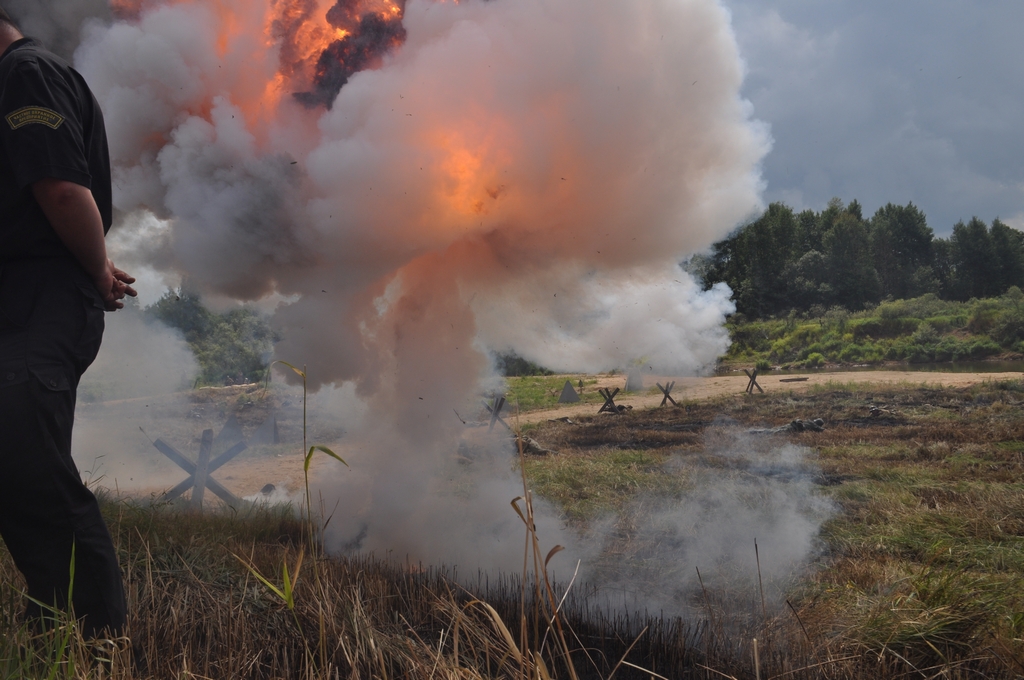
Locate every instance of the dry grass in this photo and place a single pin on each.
(924, 563)
(922, 576)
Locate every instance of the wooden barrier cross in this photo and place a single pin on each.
(753, 382)
(199, 478)
(495, 411)
(666, 390)
(609, 400)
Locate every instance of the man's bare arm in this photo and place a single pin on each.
(72, 212)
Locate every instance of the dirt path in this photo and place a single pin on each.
(714, 386)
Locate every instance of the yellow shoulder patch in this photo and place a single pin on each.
(28, 115)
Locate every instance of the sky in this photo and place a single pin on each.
(890, 102)
(917, 100)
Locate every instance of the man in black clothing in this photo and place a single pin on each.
(55, 284)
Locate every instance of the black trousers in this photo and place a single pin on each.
(51, 324)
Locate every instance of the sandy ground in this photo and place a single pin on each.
(714, 386)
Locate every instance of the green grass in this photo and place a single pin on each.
(919, 330)
(924, 563)
(588, 485)
(536, 392)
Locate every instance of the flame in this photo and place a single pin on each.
(468, 182)
(298, 33)
(125, 9)
(313, 39)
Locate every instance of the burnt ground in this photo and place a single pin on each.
(978, 414)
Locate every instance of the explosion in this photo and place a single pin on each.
(351, 36)
(535, 171)
(417, 184)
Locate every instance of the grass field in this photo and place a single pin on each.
(921, 573)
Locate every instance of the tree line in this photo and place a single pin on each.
(785, 261)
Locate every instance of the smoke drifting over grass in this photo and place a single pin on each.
(139, 358)
(744, 491)
(140, 373)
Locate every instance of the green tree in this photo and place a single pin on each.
(901, 243)
(769, 245)
(809, 232)
(231, 347)
(1007, 256)
(848, 257)
(783, 261)
(971, 259)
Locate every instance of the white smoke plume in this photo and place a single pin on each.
(528, 148)
(517, 174)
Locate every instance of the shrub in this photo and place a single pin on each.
(926, 305)
(510, 364)
(948, 349)
(916, 354)
(926, 334)
(983, 316)
(883, 327)
(944, 324)
(983, 347)
(1009, 329)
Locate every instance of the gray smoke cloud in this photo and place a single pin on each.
(757, 491)
(140, 375)
(139, 357)
(58, 23)
(518, 175)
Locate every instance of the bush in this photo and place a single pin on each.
(926, 334)
(1009, 329)
(511, 365)
(920, 330)
(983, 316)
(983, 347)
(814, 360)
(763, 365)
(948, 349)
(856, 354)
(233, 347)
(945, 324)
(917, 354)
(883, 327)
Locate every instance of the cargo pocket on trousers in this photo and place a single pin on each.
(51, 377)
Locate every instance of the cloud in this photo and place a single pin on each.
(888, 103)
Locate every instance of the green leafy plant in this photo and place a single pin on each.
(286, 592)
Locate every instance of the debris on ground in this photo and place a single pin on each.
(531, 446)
(815, 425)
(879, 411)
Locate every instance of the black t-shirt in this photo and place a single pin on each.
(50, 127)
